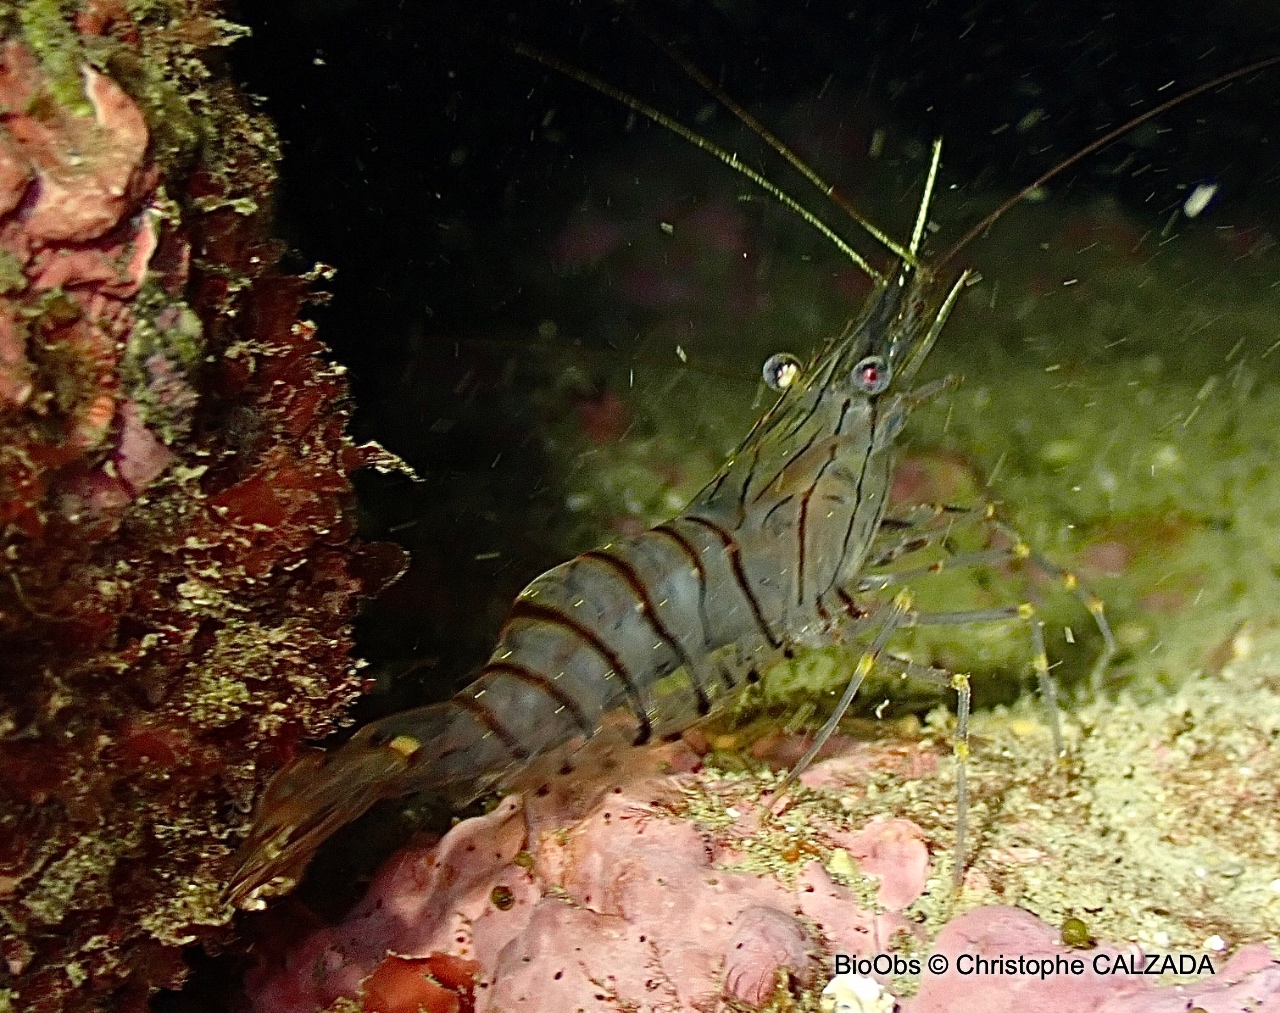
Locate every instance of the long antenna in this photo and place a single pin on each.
(697, 140)
(922, 216)
(780, 146)
(1102, 142)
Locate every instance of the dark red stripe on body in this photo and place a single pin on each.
(485, 715)
(857, 500)
(783, 470)
(535, 612)
(635, 585)
(695, 560)
(527, 675)
(803, 525)
(735, 563)
(776, 507)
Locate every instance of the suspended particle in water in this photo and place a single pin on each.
(1199, 199)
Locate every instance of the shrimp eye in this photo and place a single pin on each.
(780, 370)
(871, 374)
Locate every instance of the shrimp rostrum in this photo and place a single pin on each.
(663, 628)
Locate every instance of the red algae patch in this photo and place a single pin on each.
(436, 984)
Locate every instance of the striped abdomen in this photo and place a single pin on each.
(663, 626)
(660, 627)
(609, 629)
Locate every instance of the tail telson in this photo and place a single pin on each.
(443, 747)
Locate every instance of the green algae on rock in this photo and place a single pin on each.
(180, 572)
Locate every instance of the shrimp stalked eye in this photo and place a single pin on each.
(871, 374)
(780, 370)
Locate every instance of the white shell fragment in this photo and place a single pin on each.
(1199, 199)
(852, 993)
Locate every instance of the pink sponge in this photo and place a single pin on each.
(612, 889)
(611, 896)
(1248, 983)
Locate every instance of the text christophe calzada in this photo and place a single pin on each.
(1044, 966)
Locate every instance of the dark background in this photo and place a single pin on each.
(417, 161)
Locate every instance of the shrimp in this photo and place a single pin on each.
(664, 628)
